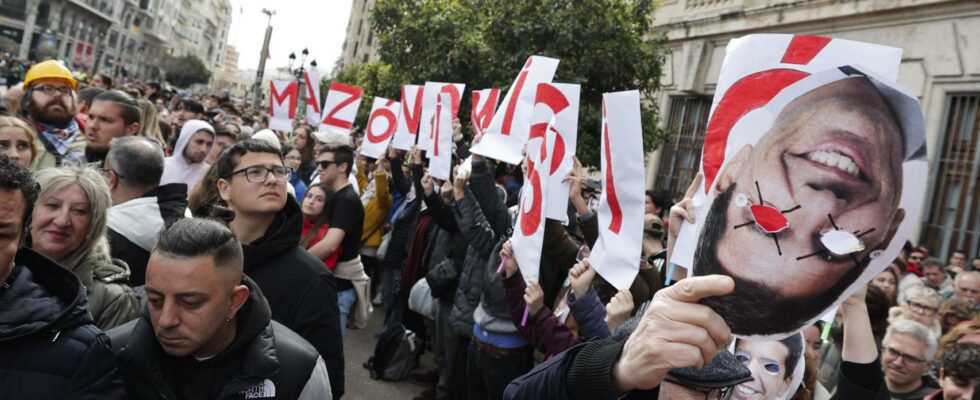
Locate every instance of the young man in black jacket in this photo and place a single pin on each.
(49, 346)
(207, 331)
(301, 291)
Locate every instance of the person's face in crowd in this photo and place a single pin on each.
(903, 359)
(210, 103)
(198, 147)
(294, 159)
(221, 142)
(16, 144)
(886, 282)
(12, 99)
(185, 115)
(836, 151)
(648, 206)
(254, 198)
(957, 388)
(105, 122)
(916, 256)
(301, 138)
(767, 361)
(950, 320)
(52, 102)
(968, 287)
(922, 310)
(99, 82)
(190, 301)
(671, 390)
(313, 202)
(12, 209)
(811, 336)
(331, 172)
(958, 259)
(60, 222)
(934, 274)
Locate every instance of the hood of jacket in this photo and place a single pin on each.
(140, 220)
(41, 297)
(176, 169)
(186, 132)
(282, 235)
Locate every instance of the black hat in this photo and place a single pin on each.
(724, 371)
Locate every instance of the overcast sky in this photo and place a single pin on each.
(319, 25)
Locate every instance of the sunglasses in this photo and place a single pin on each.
(324, 164)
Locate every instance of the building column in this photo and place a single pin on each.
(63, 44)
(25, 41)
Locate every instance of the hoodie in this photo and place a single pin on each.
(49, 346)
(302, 293)
(176, 168)
(135, 225)
(265, 360)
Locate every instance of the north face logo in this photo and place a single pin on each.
(264, 390)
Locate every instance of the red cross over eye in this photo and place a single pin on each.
(768, 218)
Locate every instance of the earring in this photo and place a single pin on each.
(228, 319)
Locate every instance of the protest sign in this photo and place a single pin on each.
(441, 155)
(380, 127)
(811, 166)
(312, 80)
(430, 98)
(616, 254)
(340, 108)
(777, 367)
(558, 101)
(282, 104)
(408, 119)
(509, 129)
(482, 107)
(528, 236)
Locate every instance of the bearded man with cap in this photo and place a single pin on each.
(49, 104)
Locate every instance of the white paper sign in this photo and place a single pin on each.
(616, 255)
(340, 109)
(312, 81)
(408, 119)
(441, 156)
(558, 101)
(429, 100)
(282, 104)
(482, 107)
(528, 236)
(380, 127)
(508, 131)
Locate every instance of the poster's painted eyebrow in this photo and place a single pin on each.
(775, 239)
(743, 224)
(760, 192)
(811, 254)
(791, 209)
(831, 217)
(863, 233)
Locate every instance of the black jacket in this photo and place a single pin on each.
(135, 225)
(264, 355)
(300, 289)
(49, 347)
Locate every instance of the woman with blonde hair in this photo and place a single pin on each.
(69, 227)
(17, 140)
(151, 125)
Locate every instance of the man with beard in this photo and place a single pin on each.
(187, 164)
(49, 104)
(112, 114)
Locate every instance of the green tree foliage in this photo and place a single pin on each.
(604, 45)
(186, 70)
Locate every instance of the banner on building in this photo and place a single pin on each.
(380, 127)
(282, 104)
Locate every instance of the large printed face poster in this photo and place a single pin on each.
(813, 170)
(777, 368)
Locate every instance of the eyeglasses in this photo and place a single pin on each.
(709, 394)
(51, 90)
(259, 174)
(906, 358)
(324, 164)
(921, 308)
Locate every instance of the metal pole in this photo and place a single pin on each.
(257, 89)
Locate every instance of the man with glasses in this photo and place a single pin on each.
(49, 104)
(907, 354)
(301, 291)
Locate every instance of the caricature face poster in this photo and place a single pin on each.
(814, 164)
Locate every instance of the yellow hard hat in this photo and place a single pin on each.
(49, 69)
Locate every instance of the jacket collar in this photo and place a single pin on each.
(42, 297)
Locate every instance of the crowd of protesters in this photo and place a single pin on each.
(154, 245)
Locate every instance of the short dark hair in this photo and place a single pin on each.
(228, 161)
(932, 263)
(961, 251)
(154, 85)
(137, 160)
(13, 176)
(230, 108)
(196, 237)
(131, 111)
(342, 154)
(192, 106)
(222, 130)
(741, 309)
(89, 93)
(962, 361)
(105, 78)
(793, 343)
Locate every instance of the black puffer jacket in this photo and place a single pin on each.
(135, 225)
(49, 347)
(301, 291)
(264, 355)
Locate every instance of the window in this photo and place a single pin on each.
(687, 117)
(952, 213)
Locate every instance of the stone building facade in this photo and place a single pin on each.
(360, 43)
